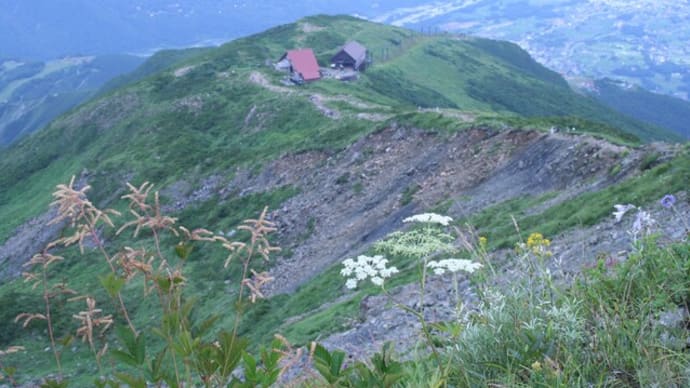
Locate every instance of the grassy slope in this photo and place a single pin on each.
(657, 109)
(149, 131)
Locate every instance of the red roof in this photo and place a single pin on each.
(304, 62)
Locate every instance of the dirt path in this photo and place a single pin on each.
(319, 100)
(261, 80)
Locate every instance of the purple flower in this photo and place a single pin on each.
(668, 201)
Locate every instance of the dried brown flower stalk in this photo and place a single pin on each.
(168, 280)
(133, 261)
(43, 261)
(290, 357)
(74, 207)
(155, 222)
(259, 229)
(137, 196)
(255, 283)
(91, 320)
(28, 317)
(11, 349)
(199, 234)
(233, 247)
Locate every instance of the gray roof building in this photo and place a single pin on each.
(353, 55)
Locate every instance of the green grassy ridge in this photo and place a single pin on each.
(158, 140)
(542, 92)
(514, 56)
(165, 143)
(657, 109)
(444, 121)
(160, 61)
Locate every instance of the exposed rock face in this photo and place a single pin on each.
(357, 196)
(27, 240)
(351, 198)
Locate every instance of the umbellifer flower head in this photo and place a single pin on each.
(430, 218)
(453, 265)
(668, 201)
(365, 267)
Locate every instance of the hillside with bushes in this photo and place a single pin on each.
(183, 278)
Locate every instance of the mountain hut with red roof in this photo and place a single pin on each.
(301, 64)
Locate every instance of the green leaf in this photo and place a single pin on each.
(322, 354)
(249, 366)
(183, 250)
(337, 358)
(155, 370)
(124, 357)
(132, 381)
(249, 362)
(159, 333)
(10, 371)
(328, 364)
(163, 283)
(112, 284)
(206, 355)
(66, 340)
(135, 347)
(125, 335)
(55, 384)
(206, 325)
(184, 344)
(170, 323)
(140, 349)
(230, 353)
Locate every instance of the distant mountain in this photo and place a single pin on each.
(640, 41)
(34, 93)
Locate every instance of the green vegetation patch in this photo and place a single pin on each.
(584, 210)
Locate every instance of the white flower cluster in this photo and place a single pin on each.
(453, 265)
(365, 267)
(621, 210)
(643, 224)
(431, 218)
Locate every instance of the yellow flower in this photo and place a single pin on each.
(538, 244)
(536, 366)
(536, 240)
(483, 241)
